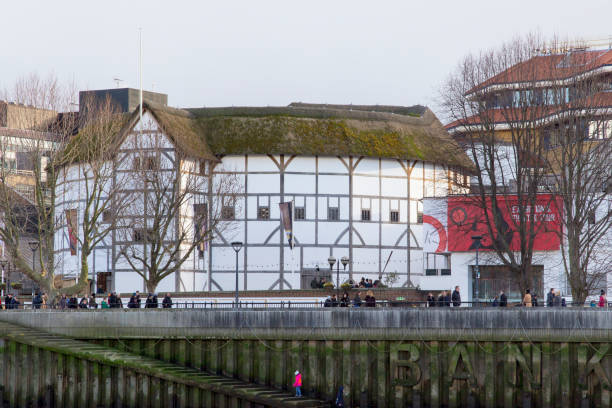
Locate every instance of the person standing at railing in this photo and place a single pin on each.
(63, 303)
(104, 304)
(345, 301)
(83, 304)
(431, 300)
(370, 300)
(73, 303)
(603, 302)
(92, 301)
(357, 300)
(37, 301)
(557, 299)
(503, 299)
(550, 296)
(149, 301)
(167, 302)
(133, 303)
(527, 299)
(456, 297)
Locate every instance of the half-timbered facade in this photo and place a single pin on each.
(356, 176)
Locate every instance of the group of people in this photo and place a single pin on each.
(445, 298)
(553, 299)
(363, 283)
(41, 301)
(345, 300)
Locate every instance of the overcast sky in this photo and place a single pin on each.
(218, 53)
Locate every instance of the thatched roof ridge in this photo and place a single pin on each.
(410, 115)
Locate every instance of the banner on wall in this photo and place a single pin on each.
(286, 213)
(450, 224)
(200, 226)
(71, 220)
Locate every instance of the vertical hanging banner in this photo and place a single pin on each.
(71, 220)
(200, 226)
(286, 212)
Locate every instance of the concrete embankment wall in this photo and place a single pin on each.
(384, 358)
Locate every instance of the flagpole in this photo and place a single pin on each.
(140, 72)
(292, 237)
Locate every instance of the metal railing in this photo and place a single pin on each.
(287, 305)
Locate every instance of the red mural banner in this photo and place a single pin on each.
(466, 218)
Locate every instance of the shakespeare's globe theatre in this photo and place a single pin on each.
(356, 176)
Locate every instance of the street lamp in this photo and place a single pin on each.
(332, 262)
(345, 261)
(237, 245)
(477, 239)
(33, 246)
(3, 263)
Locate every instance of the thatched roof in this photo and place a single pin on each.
(330, 130)
(412, 133)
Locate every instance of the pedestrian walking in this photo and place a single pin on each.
(340, 398)
(298, 383)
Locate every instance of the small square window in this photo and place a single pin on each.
(333, 213)
(227, 212)
(419, 217)
(107, 216)
(151, 163)
(591, 217)
(365, 215)
(300, 213)
(394, 216)
(263, 213)
(139, 235)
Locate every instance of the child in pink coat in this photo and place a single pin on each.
(298, 384)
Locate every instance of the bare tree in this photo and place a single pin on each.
(89, 159)
(27, 173)
(174, 208)
(578, 134)
(499, 129)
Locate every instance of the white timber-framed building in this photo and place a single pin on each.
(356, 176)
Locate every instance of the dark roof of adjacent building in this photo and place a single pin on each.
(407, 133)
(552, 67)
